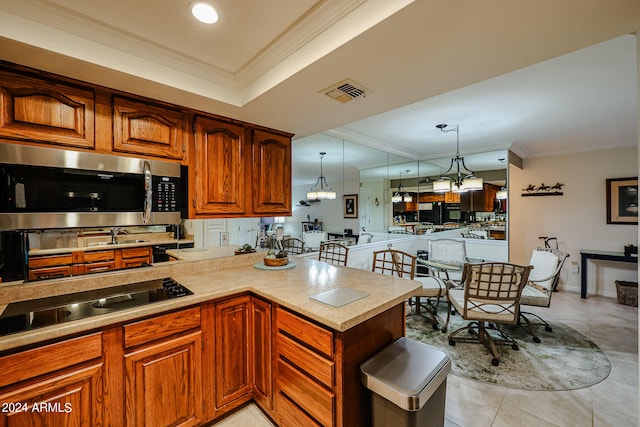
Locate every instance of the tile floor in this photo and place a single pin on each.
(613, 402)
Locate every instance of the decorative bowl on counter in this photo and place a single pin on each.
(275, 262)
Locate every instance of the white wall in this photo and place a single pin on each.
(327, 211)
(577, 218)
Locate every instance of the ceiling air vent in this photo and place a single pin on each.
(345, 91)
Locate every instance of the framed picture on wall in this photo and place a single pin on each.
(350, 205)
(622, 201)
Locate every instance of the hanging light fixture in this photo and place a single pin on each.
(321, 190)
(502, 194)
(406, 197)
(463, 181)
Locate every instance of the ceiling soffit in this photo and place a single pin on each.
(304, 38)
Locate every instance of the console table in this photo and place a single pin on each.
(586, 254)
(353, 237)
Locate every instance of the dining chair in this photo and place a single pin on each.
(293, 245)
(401, 264)
(446, 258)
(547, 265)
(490, 295)
(334, 253)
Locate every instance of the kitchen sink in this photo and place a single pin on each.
(121, 242)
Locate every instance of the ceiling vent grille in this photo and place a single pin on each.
(345, 91)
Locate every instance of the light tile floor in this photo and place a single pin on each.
(613, 402)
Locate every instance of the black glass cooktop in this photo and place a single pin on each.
(27, 315)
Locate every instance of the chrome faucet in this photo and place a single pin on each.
(114, 233)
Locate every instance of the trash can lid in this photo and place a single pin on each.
(406, 372)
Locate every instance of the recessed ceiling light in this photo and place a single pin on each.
(204, 13)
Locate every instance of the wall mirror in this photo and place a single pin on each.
(394, 193)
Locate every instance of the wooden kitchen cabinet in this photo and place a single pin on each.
(271, 171)
(239, 171)
(430, 197)
(147, 129)
(163, 383)
(261, 353)
(163, 370)
(52, 266)
(219, 168)
(63, 380)
(85, 262)
(133, 257)
(452, 197)
(479, 200)
(96, 261)
(305, 383)
(46, 111)
(318, 370)
(232, 351)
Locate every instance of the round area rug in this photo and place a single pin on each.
(564, 360)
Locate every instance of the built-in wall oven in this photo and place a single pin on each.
(54, 188)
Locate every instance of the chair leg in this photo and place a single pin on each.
(431, 313)
(446, 324)
(529, 326)
(482, 336)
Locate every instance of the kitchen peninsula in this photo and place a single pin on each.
(243, 334)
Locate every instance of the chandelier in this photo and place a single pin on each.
(321, 190)
(465, 179)
(397, 197)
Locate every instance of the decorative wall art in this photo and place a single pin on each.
(350, 205)
(622, 201)
(543, 190)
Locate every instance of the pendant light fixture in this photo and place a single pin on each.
(406, 197)
(321, 190)
(465, 179)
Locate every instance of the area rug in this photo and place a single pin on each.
(564, 360)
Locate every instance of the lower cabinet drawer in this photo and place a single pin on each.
(50, 272)
(290, 415)
(96, 267)
(309, 333)
(135, 262)
(309, 395)
(307, 360)
(156, 328)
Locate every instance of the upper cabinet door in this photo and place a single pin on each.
(220, 171)
(145, 129)
(271, 173)
(37, 110)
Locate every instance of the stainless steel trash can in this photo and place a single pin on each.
(408, 381)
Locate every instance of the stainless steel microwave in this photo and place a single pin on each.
(54, 188)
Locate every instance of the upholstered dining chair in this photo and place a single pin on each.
(547, 265)
(293, 245)
(489, 296)
(401, 264)
(446, 259)
(333, 252)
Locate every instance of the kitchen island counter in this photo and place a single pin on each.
(219, 278)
